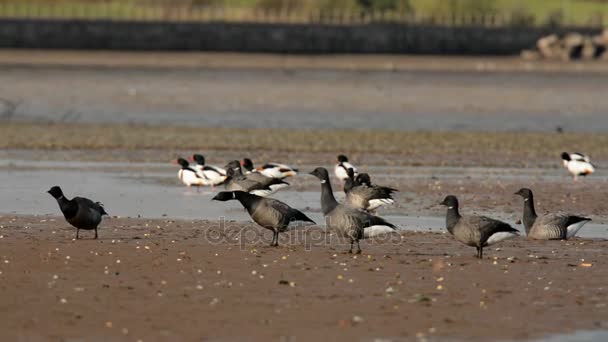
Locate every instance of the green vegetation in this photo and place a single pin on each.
(476, 145)
(495, 12)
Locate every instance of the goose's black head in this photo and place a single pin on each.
(247, 164)
(226, 196)
(451, 202)
(525, 193)
(566, 156)
(234, 165)
(363, 178)
(321, 173)
(198, 158)
(182, 162)
(342, 158)
(56, 192)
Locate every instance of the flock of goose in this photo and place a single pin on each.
(354, 219)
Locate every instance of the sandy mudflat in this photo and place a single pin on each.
(168, 280)
(401, 93)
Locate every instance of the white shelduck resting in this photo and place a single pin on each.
(188, 175)
(341, 169)
(213, 175)
(276, 170)
(577, 164)
(272, 170)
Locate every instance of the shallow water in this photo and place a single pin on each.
(151, 190)
(579, 336)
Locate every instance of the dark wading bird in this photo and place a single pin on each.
(254, 183)
(269, 213)
(550, 226)
(80, 212)
(475, 231)
(361, 194)
(348, 222)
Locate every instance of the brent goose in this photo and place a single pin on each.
(577, 164)
(550, 226)
(361, 194)
(267, 212)
(346, 221)
(254, 183)
(475, 231)
(213, 175)
(341, 169)
(188, 175)
(273, 170)
(363, 179)
(80, 212)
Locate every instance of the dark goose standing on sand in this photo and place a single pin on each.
(267, 212)
(254, 183)
(550, 226)
(80, 212)
(346, 221)
(475, 231)
(366, 196)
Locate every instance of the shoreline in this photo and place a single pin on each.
(261, 61)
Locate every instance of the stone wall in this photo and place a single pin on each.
(271, 38)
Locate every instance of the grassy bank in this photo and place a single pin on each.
(520, 12)
(524, 146)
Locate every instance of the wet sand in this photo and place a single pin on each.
(160, 280)
(342, 92)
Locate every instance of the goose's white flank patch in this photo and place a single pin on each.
(297, 224)
(572, 229)
(375, 203)
(501, 236)
(373, 231)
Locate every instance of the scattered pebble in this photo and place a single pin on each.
(357, 319)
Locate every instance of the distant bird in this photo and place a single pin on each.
(346, 221)
(361, 194)
(475, 231)
(341, 169)
(577, 164)
(80, 212)
(273, 170)
(267, 212)
(350, 182)
(188, 175)
(550, 226)
(363, 179)
(254, 183)
(213, 175)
